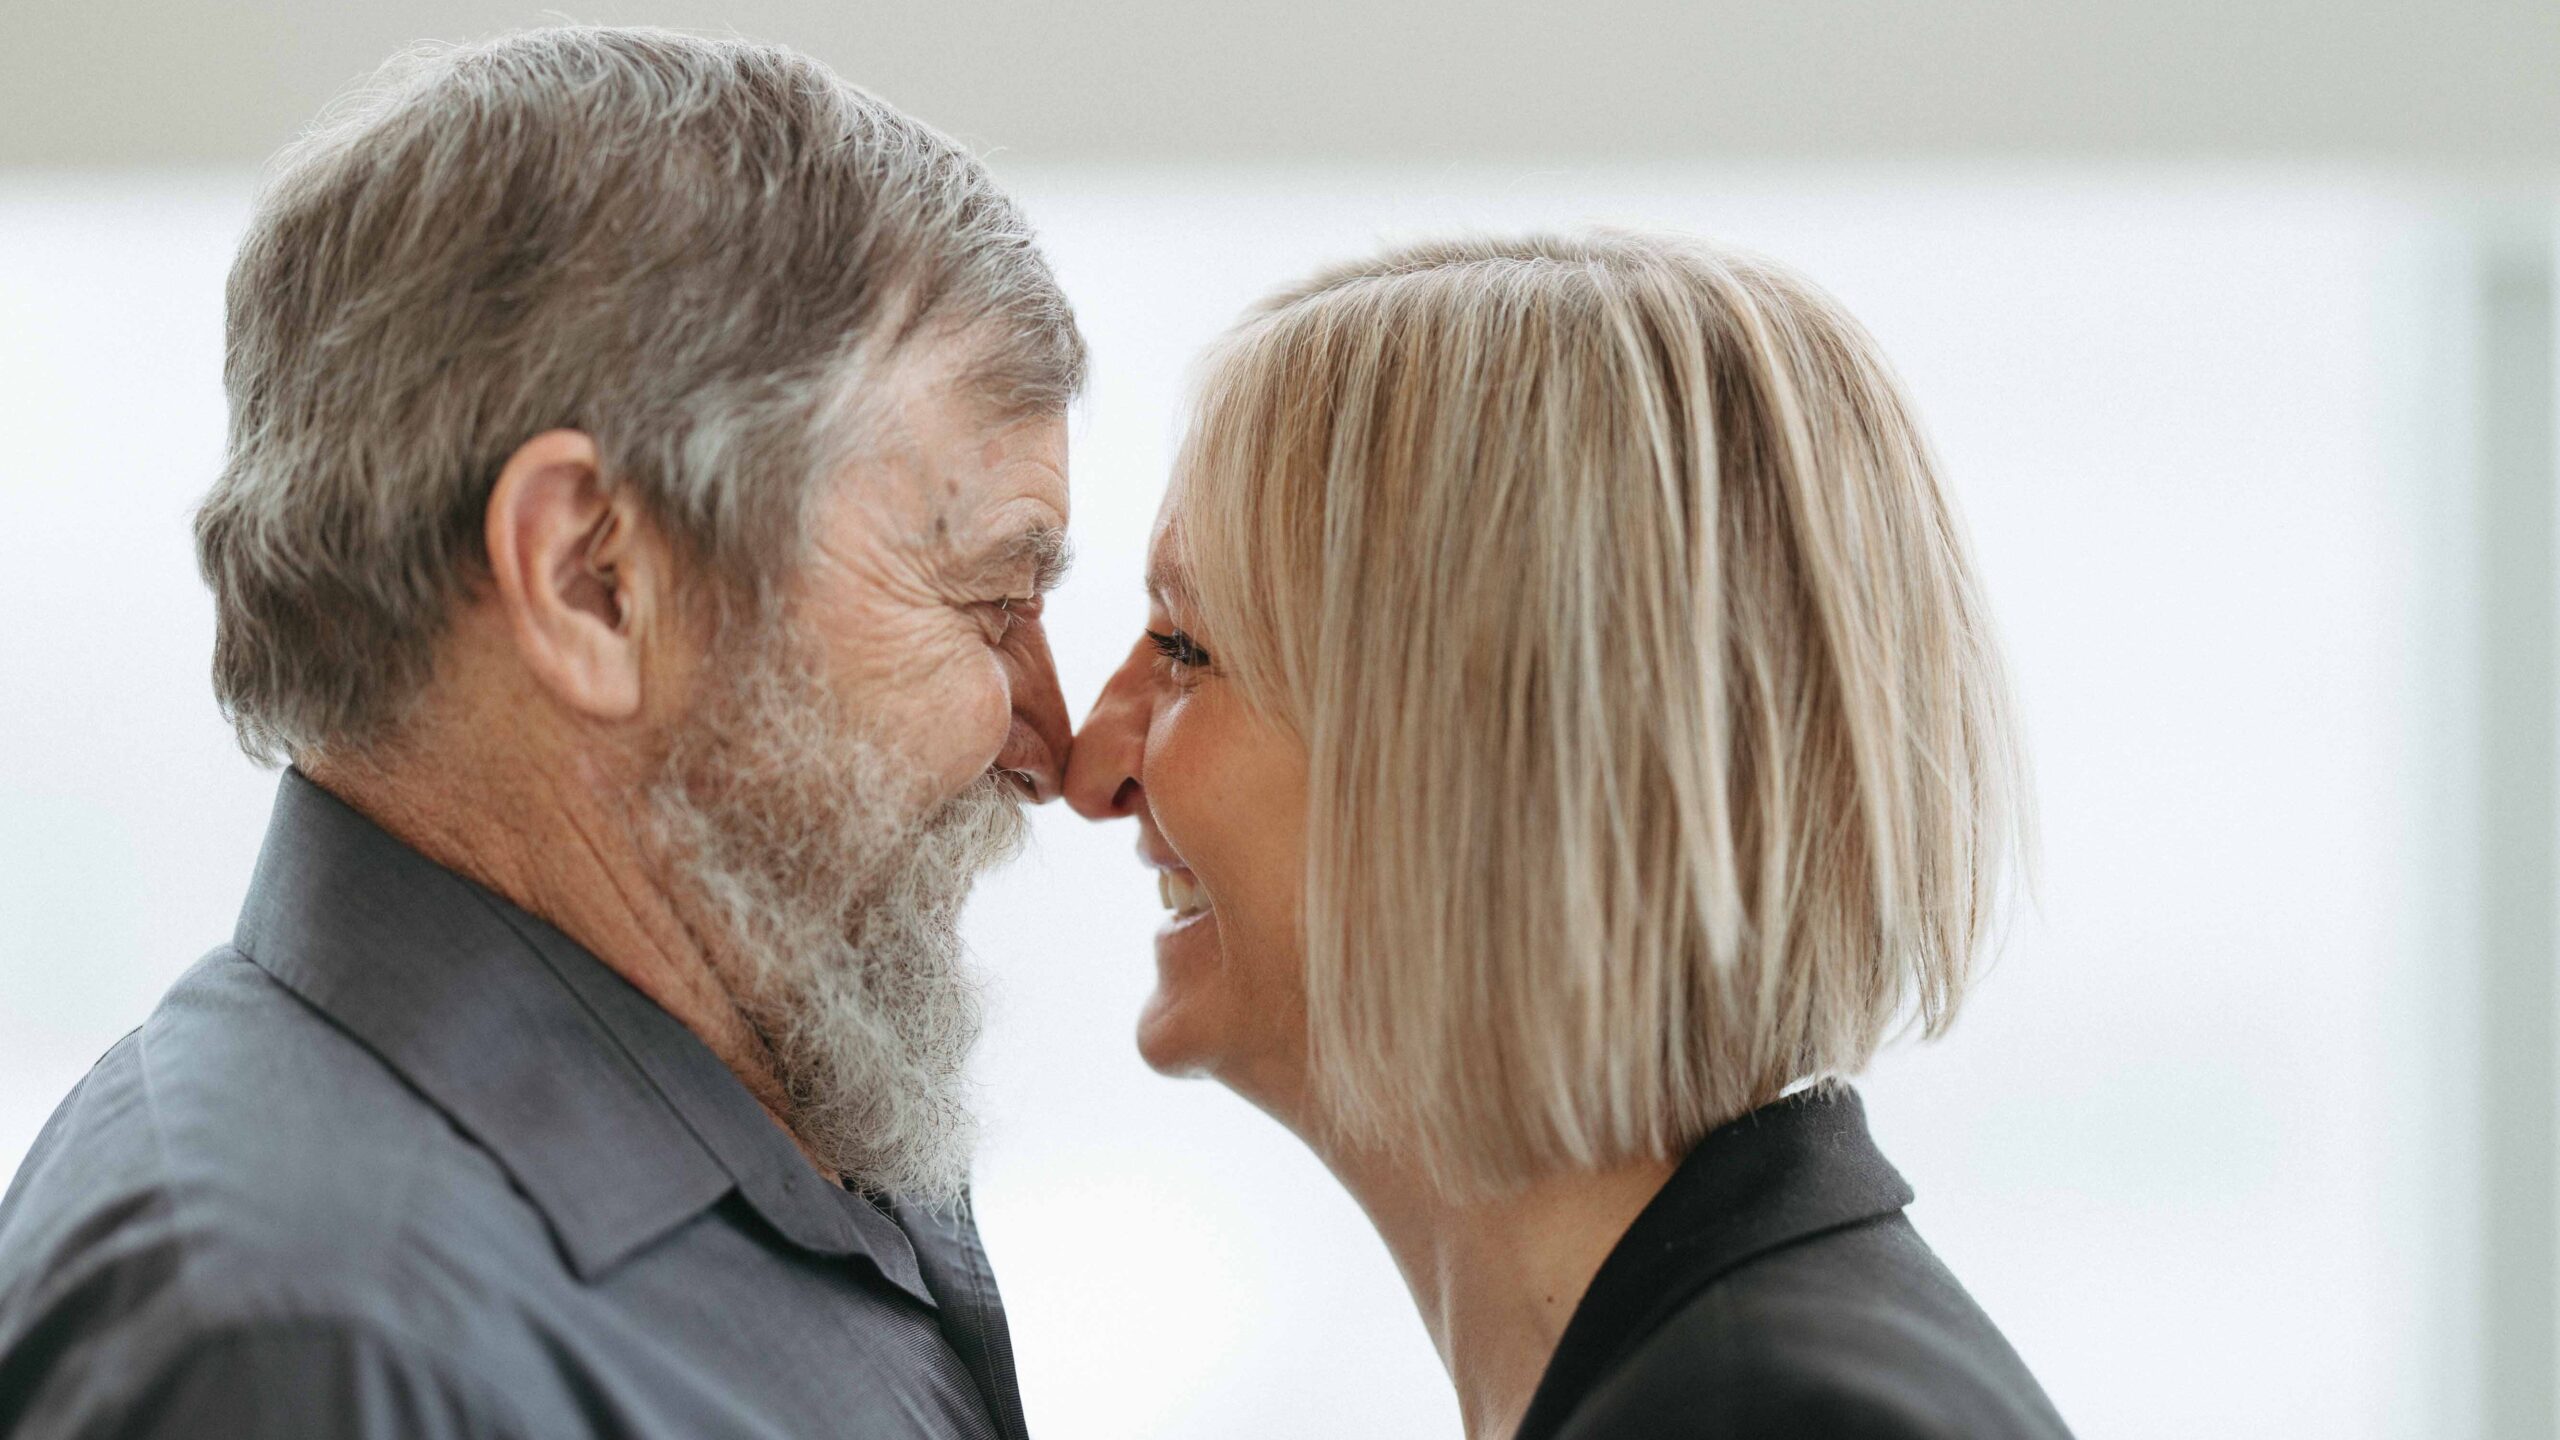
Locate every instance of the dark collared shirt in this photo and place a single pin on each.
(404, 1160)
(1774, 1290)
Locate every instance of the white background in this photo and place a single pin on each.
(2188, 1143)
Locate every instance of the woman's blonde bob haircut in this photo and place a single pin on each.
(1660, 750)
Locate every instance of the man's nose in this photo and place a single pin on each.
(1035, 745)
(1102, 770)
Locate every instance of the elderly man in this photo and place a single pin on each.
(647, 459)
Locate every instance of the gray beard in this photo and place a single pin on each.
(825, 889)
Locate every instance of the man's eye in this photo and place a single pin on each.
(1179, 649)
(1001, 614)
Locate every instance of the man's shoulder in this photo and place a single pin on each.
(280, 1377)
(243, 1159)
(1858, 1332)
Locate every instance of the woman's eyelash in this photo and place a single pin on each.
(1179, 648)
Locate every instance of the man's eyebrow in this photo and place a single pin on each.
(1049, 553)
(1044, 548)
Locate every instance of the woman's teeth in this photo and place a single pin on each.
(1181, 894)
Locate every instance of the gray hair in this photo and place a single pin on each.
(703, 253)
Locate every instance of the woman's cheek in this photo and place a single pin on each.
(1163, 761)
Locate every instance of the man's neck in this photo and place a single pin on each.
(561, 852)
(1496, 1280)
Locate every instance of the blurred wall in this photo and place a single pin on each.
(2468, 83)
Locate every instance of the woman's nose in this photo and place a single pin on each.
(1102, 764)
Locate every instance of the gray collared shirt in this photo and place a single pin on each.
(404, 1160)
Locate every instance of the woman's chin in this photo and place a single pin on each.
(1169, 1045)
(1174, 1030)
(1207, 1017)
(1178, 1030)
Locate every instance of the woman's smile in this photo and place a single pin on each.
(1182, 894)
(1176, 885)
(1189, 949)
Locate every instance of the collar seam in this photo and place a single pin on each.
(628, 1242)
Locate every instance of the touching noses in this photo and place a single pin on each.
(1102, 769)
(1035, 743)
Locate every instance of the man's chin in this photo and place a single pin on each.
(831, 884)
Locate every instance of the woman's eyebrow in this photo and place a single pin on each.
(1164, 583)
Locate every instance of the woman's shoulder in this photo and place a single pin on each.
(1858, 1333)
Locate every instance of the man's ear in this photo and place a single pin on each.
(576, 573)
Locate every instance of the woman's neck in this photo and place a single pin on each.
(1496, 1280)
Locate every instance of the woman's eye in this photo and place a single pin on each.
(1179, 650)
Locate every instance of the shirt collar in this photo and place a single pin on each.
(616, 1120)
(1790, 1169)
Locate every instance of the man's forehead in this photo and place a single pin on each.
(953, 474)
(1038, 442)
(992, 464)
(1002, 511)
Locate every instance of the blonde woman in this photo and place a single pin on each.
(1571, 738)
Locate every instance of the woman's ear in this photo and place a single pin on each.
(576, 573)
